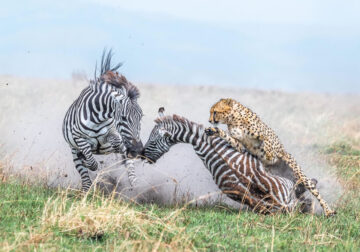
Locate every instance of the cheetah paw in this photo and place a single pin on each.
(242, 149)
(211, 131)
(330, 213)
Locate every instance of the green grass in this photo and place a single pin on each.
(20, 207)
(38, 218)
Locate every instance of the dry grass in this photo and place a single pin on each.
(25, 241)
(88, 217)
(351, 179)
(95, 216)
(2, 175)
(346, 158)
(27, 175)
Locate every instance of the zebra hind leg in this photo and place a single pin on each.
(78, 158)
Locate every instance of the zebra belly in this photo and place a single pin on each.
(101, 145)
(96, 130)
(237, 175)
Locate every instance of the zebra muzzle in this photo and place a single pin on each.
(135, 149)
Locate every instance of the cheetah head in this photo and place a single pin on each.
(220, 111)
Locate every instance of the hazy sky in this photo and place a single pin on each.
(289, 45)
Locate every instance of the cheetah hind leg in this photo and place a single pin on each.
(309, 184)
(300, 188)
(268, 156)
(312, 188)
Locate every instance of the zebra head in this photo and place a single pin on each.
(159, 142)
(128, 113)
(129, 122)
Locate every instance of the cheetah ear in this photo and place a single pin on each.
(223, 106)
(226, 108)
(164, 133)
(229, 101)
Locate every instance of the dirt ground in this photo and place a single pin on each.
(32, 111)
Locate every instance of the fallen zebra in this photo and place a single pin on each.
(241, 176)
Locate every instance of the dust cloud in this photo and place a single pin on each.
(32, 144)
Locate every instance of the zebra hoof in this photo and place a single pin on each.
(85, 189)
(94, 167)
(314, 181)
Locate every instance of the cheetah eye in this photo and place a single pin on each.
(214, 113)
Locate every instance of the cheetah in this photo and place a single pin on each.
(246, 131)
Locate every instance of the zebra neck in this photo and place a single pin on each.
(105, 101)
(188, 133)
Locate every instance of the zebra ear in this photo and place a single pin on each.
(164, 133)
(161, 111)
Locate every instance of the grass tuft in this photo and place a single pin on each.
(2, 175)
(95, 216)
(346, 159)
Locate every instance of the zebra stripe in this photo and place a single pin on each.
(104, 119)
(241, 176)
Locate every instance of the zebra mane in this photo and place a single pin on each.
(133, 91)
(189, 124)
(119, 81)
(106, 63)
(109, 75)
(177, 119)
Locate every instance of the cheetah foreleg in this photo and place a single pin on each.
(235, 143)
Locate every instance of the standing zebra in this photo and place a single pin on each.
(240, 176)
(105, 118)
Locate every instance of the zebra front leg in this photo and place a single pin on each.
(130, 168)
(118, 144)
(116, 141)
(78, 158)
